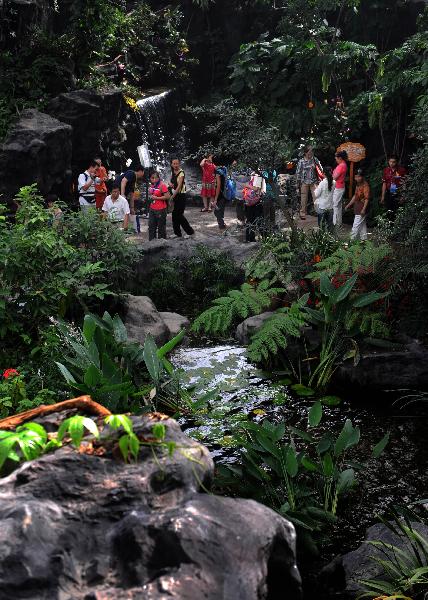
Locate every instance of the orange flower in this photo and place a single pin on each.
(317, 258)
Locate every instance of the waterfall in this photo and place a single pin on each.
(154, 116)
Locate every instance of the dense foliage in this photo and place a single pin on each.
(49, 271)
(86, 44)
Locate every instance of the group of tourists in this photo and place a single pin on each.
(123, 204)
(121, 200)
(327, 187)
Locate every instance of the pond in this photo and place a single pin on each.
(245, 392)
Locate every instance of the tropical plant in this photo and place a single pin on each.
(14, 397)
(117, 373)
(339, 325)
(301, 474)
(31, 440)
(27, 442)
(238, 304)
(51, 272)
(273, 335)
(404, 566)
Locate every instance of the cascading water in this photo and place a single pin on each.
(153, 117)
(165, 136)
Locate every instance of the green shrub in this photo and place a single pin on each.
(50, 272)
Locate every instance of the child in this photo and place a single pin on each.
(360, 202)
(324, 199)
(159, 196)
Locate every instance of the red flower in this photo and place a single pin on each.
(317, 258)
(10, 373)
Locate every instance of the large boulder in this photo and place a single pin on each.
(142, 319)
(346, 572)
(82, 526)
(387, 369)
(250, 326)
(37, 150)
(174, 322)
(159, 250)
(95, 118)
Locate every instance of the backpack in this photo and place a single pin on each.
(228, 184)
(251, 197)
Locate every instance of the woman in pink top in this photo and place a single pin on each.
(208, 182)
(339, 176)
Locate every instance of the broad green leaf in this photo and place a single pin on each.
(37, 428)
(92, 376)
(331, 400)
(302, 390)
(124, 446)
(326, 287)
(380, 446)
(343, 437)
(116, 421)
(302, 434)
(151, 359)
(325, 443)
(367, 299)
(134, 445)
(309, 464)
(119, 330)
(346, 480)
(315, 414)
(75, 429)
(327, 465)
(89, 326)
(166, 348)
(344, 291)
(65, 373)
(291, 462)
(159, 431)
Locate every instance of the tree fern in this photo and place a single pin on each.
(271, 261)
(353, 259)
(237, 305)
(274, 333)
(371, 324)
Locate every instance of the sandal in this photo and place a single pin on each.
(204, 209)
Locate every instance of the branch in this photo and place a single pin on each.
(83, 403)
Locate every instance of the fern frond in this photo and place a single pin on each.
(274, 333)
(357, 257)
(237, 305)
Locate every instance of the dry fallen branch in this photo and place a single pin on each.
(83, 403)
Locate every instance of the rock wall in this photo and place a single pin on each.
(37, 150)
(80, 526)
(96, 120)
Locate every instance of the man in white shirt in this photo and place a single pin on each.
(86, 186)
(116, 207)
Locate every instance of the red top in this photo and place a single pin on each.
(208, 172)
(339, 175)
(393, 176)
(159, 189)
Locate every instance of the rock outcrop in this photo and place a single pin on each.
(95, 120)
(158, 250)
(387, 369)
(248, 328)
(143, 319)
(345, 573)
(76, 526)
(37, 150)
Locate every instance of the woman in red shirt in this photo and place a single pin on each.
(339, 176)
(159, 196)
(208, 182)
(100, 185)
